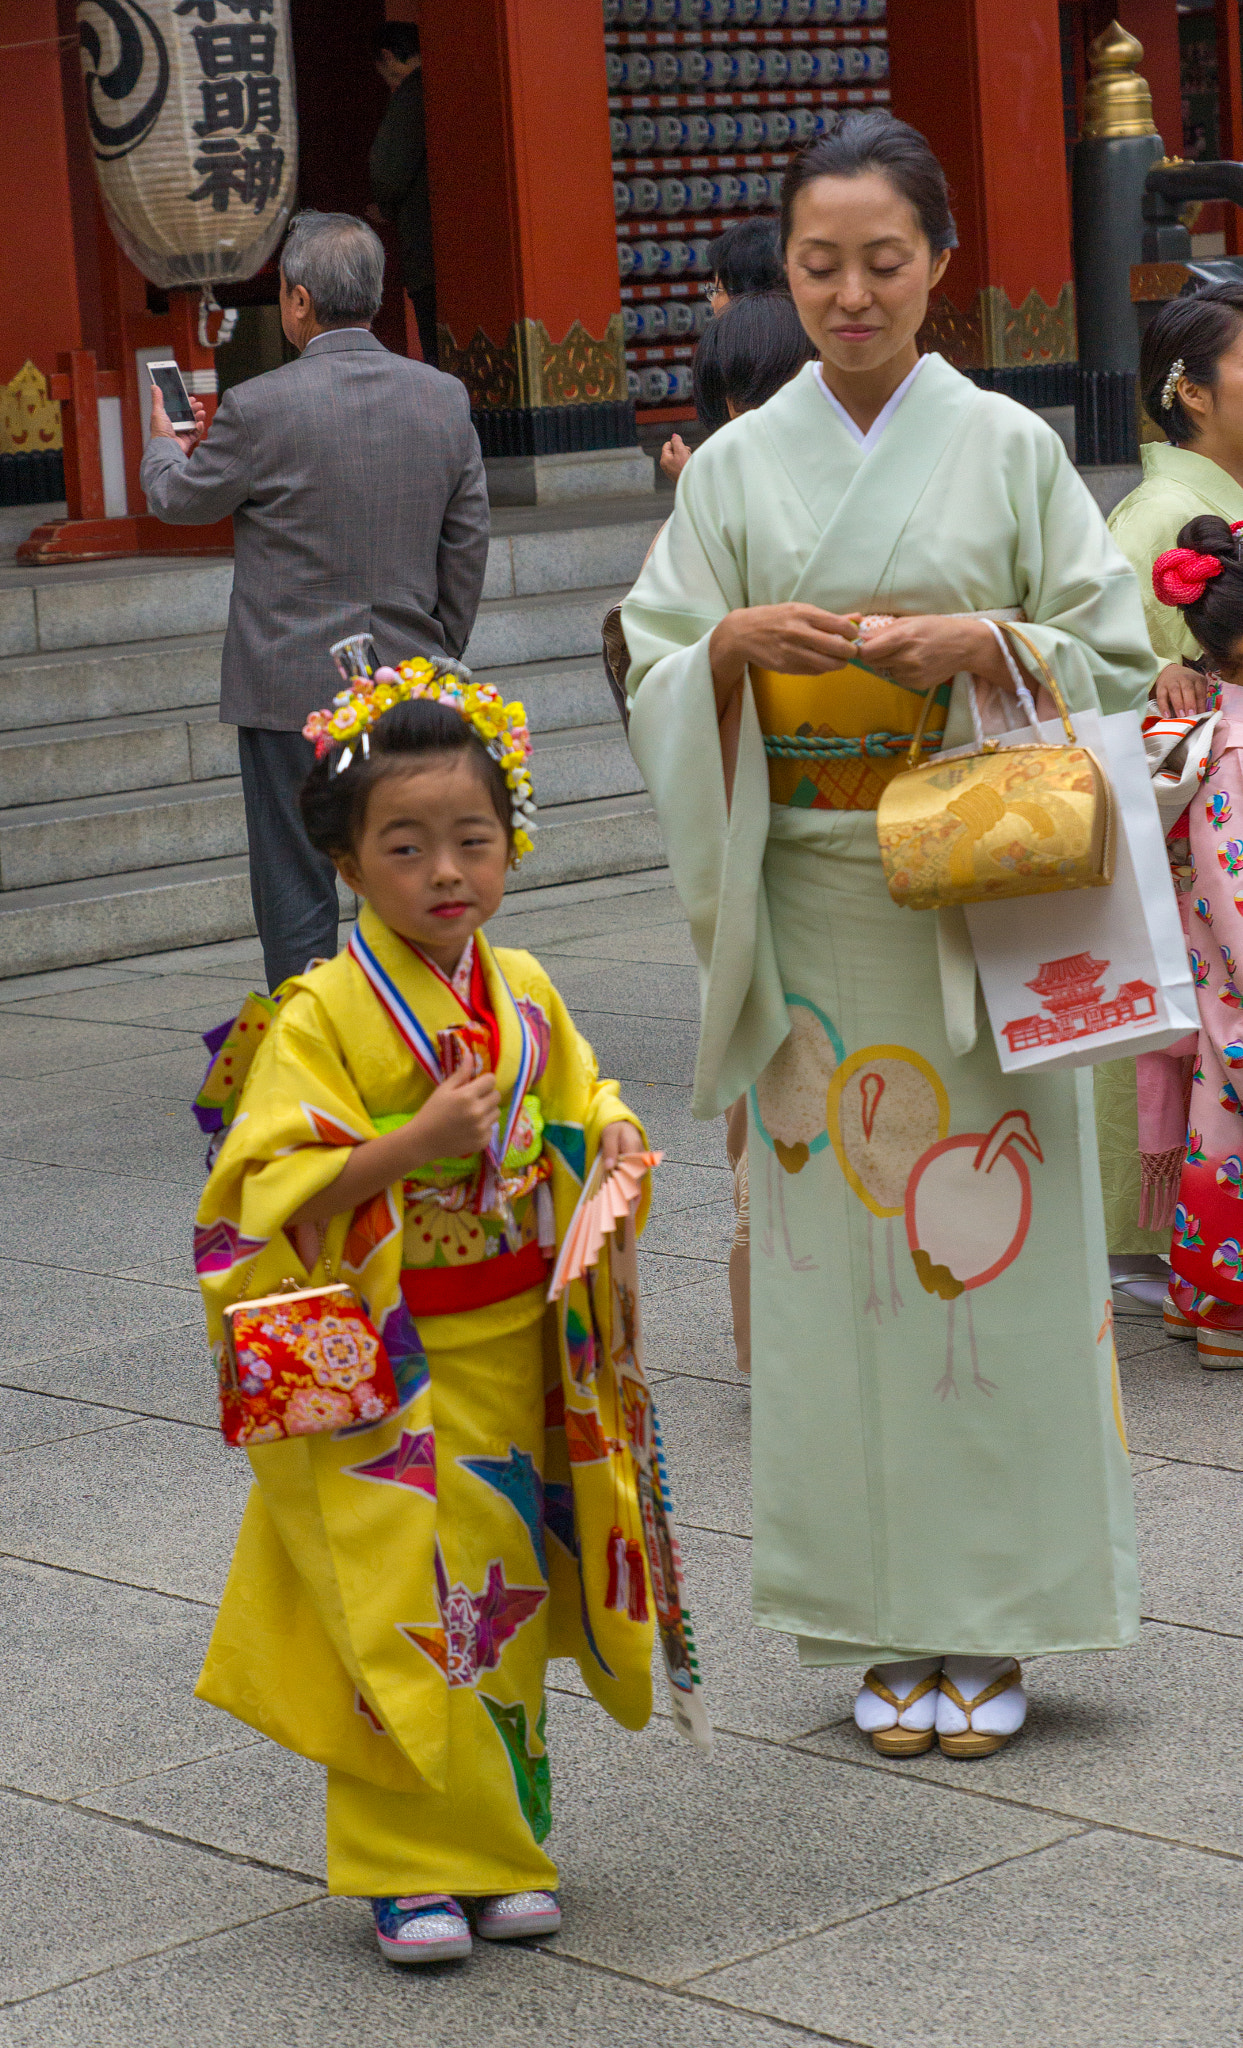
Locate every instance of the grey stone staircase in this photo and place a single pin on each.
(121, 823)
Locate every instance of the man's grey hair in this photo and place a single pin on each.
(339, 262)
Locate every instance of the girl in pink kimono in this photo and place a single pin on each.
(1203, 577)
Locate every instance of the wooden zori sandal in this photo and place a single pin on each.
(898, 1741)
(972, 1742)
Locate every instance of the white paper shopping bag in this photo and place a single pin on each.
(1090, 974)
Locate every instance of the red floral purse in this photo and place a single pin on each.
(302, 1363)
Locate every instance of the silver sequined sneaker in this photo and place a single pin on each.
(426, 1928)
(512, 1915)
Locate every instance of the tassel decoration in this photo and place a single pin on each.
(637, 1604)
(545, 1217)
(619, 1593)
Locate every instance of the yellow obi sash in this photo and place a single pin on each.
(853, 705)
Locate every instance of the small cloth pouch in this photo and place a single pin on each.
(301, 1363)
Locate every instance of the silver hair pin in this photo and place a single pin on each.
(1170, 386)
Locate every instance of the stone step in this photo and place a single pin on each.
(151, 910)
(170, 823)
(109, 682)
(113, 835)
(109, 604)
(514, 631)
(104, 756)
(128, 681)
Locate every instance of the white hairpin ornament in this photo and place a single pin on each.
(1170, 386)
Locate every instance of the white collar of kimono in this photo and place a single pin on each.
(883, 417)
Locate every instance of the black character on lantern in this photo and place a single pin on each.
(231, 172)
(241, 103)
(231, 51)
(206, 9)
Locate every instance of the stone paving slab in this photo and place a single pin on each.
(153, 1504)
(1189, 1518)
(1149, 1738)
(60, 1216)
(115, 1702)
(882, 1906)
(311, 1978)
(676, 1863)
(164, 1373)
(1177, 1410)
(1097, 1942)
(60, 1863)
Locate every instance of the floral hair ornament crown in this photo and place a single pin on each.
(1180, 575)
(371, 691)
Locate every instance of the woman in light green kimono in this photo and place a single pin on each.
(940, 1473)
(1191, 381)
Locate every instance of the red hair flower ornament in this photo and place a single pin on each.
(1180, 574)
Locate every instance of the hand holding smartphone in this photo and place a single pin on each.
(169, 383)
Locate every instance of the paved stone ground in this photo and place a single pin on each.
(162, 1877)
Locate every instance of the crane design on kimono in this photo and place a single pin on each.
(968, 1210)
(886, 1105)
(787, 1112)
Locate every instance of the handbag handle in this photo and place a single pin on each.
(1047, 677)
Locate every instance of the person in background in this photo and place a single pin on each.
(359, 506)
(398, 166)
(743, 359)
(1191, 385)
(745, 259)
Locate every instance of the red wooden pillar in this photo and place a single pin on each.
(1229, 103)
(524, 229)
(982, 80)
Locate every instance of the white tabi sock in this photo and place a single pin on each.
(873, 1713)
(972, 1676)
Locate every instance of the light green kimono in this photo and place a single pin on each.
(935, 1471)
(1178, 485)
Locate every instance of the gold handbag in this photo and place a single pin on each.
(1002, 821)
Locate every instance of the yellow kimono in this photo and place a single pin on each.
(398, 1588)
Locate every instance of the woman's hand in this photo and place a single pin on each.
(1180, 692)
(794, 639)
(616, 1139)
(674, 457)
(923, 653)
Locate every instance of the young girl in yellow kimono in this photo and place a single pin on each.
(400, 1584)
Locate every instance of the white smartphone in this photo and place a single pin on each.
(171, 386)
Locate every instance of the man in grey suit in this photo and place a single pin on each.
(359, 506)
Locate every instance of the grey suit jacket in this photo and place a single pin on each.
(359, 505)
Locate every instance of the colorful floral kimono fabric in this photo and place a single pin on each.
(1207, 1247)
(397, 1589)
(938, 1456)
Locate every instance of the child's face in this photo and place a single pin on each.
(432, 854)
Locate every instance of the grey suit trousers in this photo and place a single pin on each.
(293, 888)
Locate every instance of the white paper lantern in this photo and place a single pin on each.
(195, 131)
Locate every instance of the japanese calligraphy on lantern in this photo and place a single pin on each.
(192, 118)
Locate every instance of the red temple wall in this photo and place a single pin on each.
(40, 309)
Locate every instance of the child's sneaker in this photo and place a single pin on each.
(428, 1928)
(514, 1914)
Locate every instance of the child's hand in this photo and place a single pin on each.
(1180, 692)
(458, 1120)
(616, 1139)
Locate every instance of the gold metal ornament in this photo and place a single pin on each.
(1116, 100)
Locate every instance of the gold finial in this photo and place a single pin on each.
(1116, 100)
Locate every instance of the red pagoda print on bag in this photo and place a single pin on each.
(1073, 992)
